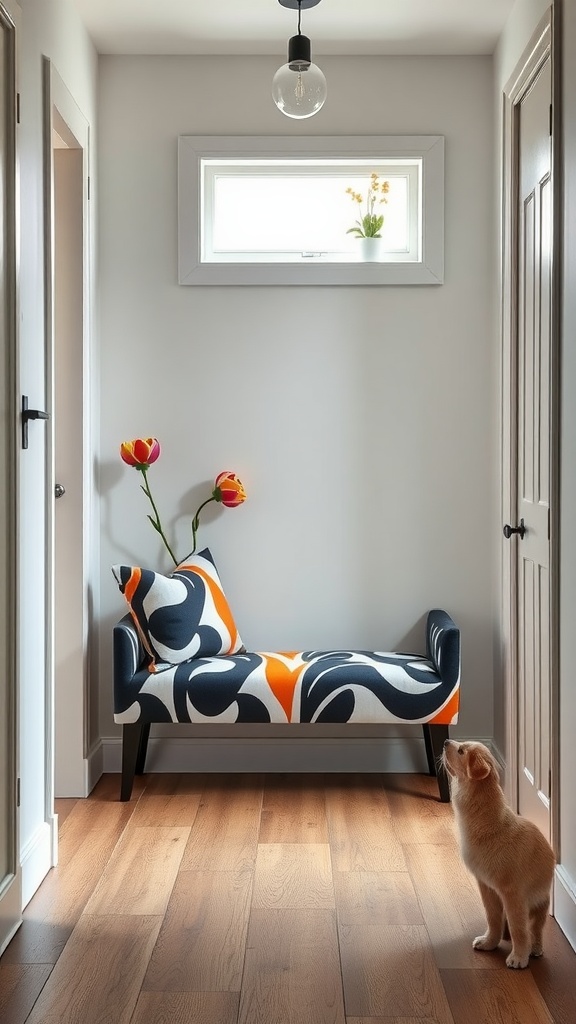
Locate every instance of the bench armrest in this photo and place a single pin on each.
(443, 645)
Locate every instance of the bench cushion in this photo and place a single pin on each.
(284, 687)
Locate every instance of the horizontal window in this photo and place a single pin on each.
(277, 213)
(299, 216)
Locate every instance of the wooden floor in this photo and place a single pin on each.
(278, 899)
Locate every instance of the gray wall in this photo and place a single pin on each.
(362, 421)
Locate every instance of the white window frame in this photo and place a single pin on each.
(197, 152)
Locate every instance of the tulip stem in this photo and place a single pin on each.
(196, 524)
(155, 522)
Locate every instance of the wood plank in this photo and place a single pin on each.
(99, 974)
(186, 1008)
(554, 974)
(51, 915)
(201, 944)
(390, 971)
(294, 810)
(394, 1020)
(296, 875)
(360, 827)
(62, 807)
(169, 800)
(376, 897)
(101, 811)
(99, 807)
(141, 872)
(292, 972)
(417, 814)
(489, 996)
(224, 835)
(451, 906)
(20, 986)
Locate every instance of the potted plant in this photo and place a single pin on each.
(369, 223)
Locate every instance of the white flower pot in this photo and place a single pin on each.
(370, 249)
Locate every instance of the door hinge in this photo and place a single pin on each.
(550, 121)
(17, 792)
(88, 186)
(17, 108)
(548, 524)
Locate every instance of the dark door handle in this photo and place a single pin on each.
(30, 414)
(509, 530)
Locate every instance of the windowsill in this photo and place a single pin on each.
(318, 274)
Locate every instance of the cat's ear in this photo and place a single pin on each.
(478, 767)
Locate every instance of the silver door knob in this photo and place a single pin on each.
(59, 490)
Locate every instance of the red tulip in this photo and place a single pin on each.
(141, 452)
(229, 490)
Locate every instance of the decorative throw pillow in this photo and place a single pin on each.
(181, 616)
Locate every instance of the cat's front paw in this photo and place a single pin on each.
(517, 961)
(485, 942)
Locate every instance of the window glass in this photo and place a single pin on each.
(303, 213)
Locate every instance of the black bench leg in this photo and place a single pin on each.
(434, 736)
(142, 748)
(134, 741)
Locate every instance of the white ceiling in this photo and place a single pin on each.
(263, 26)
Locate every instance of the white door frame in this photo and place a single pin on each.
(543, 45)
(11, 884)
(61, 112)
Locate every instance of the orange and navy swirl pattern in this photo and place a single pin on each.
(182, 616)
(306, 686)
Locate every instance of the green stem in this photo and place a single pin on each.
(148, 493)
(196, 524)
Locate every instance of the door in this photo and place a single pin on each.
(533, 483)
(10, 882)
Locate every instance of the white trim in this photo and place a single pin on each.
(10, 878)
(194, 149)
(37, 857)
(68, 775)
(565, 903)
(94, 765)
(7, 938)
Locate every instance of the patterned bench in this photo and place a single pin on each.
(289, 687)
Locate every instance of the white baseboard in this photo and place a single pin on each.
(274, 754)
(94, 765)
(80, 782)
(565, 903)
(37, 857)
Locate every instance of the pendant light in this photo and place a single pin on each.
(299, 87)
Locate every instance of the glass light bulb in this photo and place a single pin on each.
(299, 89)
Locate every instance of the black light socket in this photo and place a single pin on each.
(299, 52)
